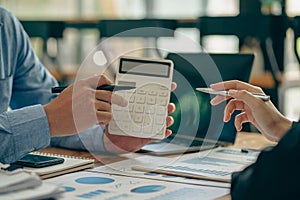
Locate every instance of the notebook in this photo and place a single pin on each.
(70, 164)
(197, 124)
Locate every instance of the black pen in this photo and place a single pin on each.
(102, 87)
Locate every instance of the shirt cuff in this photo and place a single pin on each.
(30, 128)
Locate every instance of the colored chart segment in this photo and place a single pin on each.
(91, 195)
(94, 180)
(68, 189)
(148, 189)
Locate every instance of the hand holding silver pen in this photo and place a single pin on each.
(226, 93)
(262, 114)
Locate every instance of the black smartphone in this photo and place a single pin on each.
(38, 161)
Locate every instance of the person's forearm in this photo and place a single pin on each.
(22, 131)
(282, 127)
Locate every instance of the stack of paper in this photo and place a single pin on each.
(22, 185)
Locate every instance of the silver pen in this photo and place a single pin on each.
(226, 93)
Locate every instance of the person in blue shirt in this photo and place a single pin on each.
(275, 174)
(34, 118)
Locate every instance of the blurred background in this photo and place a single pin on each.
(63, 33)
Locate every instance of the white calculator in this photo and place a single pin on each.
(145, 115)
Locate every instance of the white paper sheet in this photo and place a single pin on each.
(90, 185)
(225, 160)
(216, 164)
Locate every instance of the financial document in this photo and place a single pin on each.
(90, 185)
(202, 168)
(217, 164)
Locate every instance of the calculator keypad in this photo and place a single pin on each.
(145, 115)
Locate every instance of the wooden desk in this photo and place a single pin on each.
(251, 141)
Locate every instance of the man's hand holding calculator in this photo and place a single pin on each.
(146, 117)
(121, 144)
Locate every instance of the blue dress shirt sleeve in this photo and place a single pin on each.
(22, 131)
(23, 82)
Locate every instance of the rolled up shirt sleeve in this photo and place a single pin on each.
(23, 130)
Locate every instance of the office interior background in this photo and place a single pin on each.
(63, 33)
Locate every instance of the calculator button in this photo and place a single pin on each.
(161, 101)
(141, 91)
(163, 88)
(138, 118)
(149, 109)
(148, 120)
(139, 108)
(163, 93)
(131, 99)
(152, 93)
(140, 99)
(151, 100)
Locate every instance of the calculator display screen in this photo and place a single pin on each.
(146, 68)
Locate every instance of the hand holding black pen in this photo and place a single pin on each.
(80, 107)
(102, 87)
